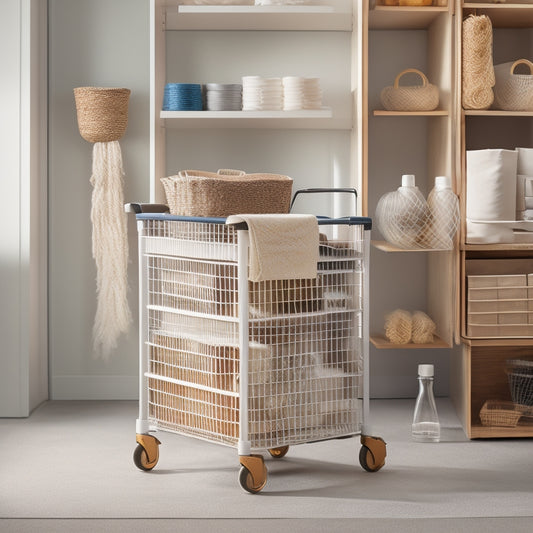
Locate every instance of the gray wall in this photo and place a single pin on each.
(106, 43)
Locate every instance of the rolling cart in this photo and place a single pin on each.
(259, 366)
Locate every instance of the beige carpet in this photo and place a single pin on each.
(73, 460)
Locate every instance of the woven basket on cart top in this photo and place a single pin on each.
(102, 113)
(226, 192)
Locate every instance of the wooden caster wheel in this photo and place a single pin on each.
(253, 473)
(278, 453)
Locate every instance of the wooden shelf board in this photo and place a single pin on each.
(436, 113)
(317, 119)
(404, 18)
(496, 113)
(506, 15)
(385, 246)
(282, 18)
(498, 342)
(496, 247)
(491, 432)
(380, 342)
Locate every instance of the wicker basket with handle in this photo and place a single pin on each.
(423, 97)
(226, 192)
(513, 92)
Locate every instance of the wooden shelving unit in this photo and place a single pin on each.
(478, 372)
(431, 28)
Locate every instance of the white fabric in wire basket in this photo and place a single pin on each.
(423, 97)
(513, 92)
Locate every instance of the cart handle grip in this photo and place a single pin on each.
(312, 190)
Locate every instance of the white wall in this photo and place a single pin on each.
(23, 375)
(92, 43)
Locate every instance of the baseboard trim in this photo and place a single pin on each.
(94, 387)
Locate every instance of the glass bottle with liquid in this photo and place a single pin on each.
(426, 425)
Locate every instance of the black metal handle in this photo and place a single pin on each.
(350, 190)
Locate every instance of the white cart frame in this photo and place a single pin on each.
(301, 377)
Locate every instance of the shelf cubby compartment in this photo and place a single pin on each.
(403, 17)
(502, 15)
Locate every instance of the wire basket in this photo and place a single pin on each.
(501, 414)
(226, 192)
(520, 375)
(102, 113)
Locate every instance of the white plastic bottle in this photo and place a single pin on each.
(403, 214)
(444, 211)
(426, 425)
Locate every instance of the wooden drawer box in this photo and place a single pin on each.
(499, 305)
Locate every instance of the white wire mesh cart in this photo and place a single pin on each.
(256, 366)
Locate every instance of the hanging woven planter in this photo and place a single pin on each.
(102, 119)
(102, 113)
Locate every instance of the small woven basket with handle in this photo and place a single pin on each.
(423, 97)
(513, 92)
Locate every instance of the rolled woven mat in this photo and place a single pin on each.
(478, 69)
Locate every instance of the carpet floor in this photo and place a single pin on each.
(71, 462)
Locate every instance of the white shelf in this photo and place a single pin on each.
(282, 18)
(315, 119)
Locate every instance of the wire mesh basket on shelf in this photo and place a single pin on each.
(520, 375)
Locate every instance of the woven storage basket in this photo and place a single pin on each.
(477, 64)
(227, 192)
(102, 113)
(423, 97)
(503, 414)
(416, 2)
(513, 92)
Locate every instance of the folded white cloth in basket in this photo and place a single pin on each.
(282, 246)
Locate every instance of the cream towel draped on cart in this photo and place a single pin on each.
(282, 246)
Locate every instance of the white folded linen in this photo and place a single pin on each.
(282, 246)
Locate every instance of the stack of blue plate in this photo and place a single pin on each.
(182, 97)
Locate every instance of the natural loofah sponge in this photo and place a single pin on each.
(398, 326)
(423, 328)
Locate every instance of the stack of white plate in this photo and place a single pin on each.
(262, 94)
(223, 96)
(301, 93)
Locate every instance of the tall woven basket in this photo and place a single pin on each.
(102, 112)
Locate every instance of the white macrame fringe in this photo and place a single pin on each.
(110, 248)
